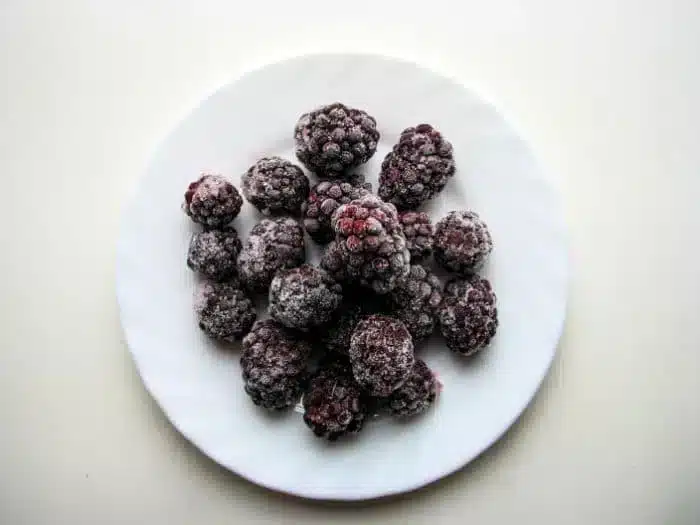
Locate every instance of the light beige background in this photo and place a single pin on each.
(608, 93)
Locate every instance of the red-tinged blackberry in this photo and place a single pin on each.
(381, 354)
(334, 404)
(212, 201)
(420, 390)
(274, 364)
(275, 186)
(304, 297)
(370, 243)
(364, 217)
(416, 301)
(334, 139)
(462, 242)
(468, 317)
(418, 230)
(223, 310)
(417, 168)
(273, 244)
(213, 253)
(324, 198)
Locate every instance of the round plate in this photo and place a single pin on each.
(198, 384)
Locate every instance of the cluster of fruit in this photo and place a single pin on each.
(371, 301)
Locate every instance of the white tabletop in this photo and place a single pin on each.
(607, 92)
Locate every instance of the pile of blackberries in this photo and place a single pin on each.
(361, 314)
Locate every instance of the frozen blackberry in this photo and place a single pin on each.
(468, 317)
(213, 253)
(364, 217)
(335, 138)
(324, 198)
(419, 234)
(417, 394)
(274, 365)
(304, 297)
(462, 242)
(212, 201)
(417, 168)
(416, 301)
(370, 246)
(224, 312)
(334, 404)
(274, 185)
(381, 354)
(273, 244)
(335, 336)
(333, 261)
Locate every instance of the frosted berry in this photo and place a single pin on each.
(212, 201)
(304, 297)
(335, 138)
(274, 364)
(468, 317)
(381, 354)
(417, 394)
(324, 198)
(418, 230)
(416, 301)
(213, 253)
(370, 247)
(417, 168)
(334, 404)
(224, 312)
(275, 186)
(273, 244)
(462, 242)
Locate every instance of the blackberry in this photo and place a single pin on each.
(381, 354)
(417, 168)
(416, 301)
(274, 365)
(212, 201)
(304, 297)
(274, 185)
(417, 394)
(419, 234)
(469, 317)
(223, 310)
(334, 404)
(333, 261)
(335, 336)
(273, 244)
(335, 138)
(324, 198)
(370, 246)
(213, 253)
(462, 242)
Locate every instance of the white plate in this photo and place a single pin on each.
(199, 386)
